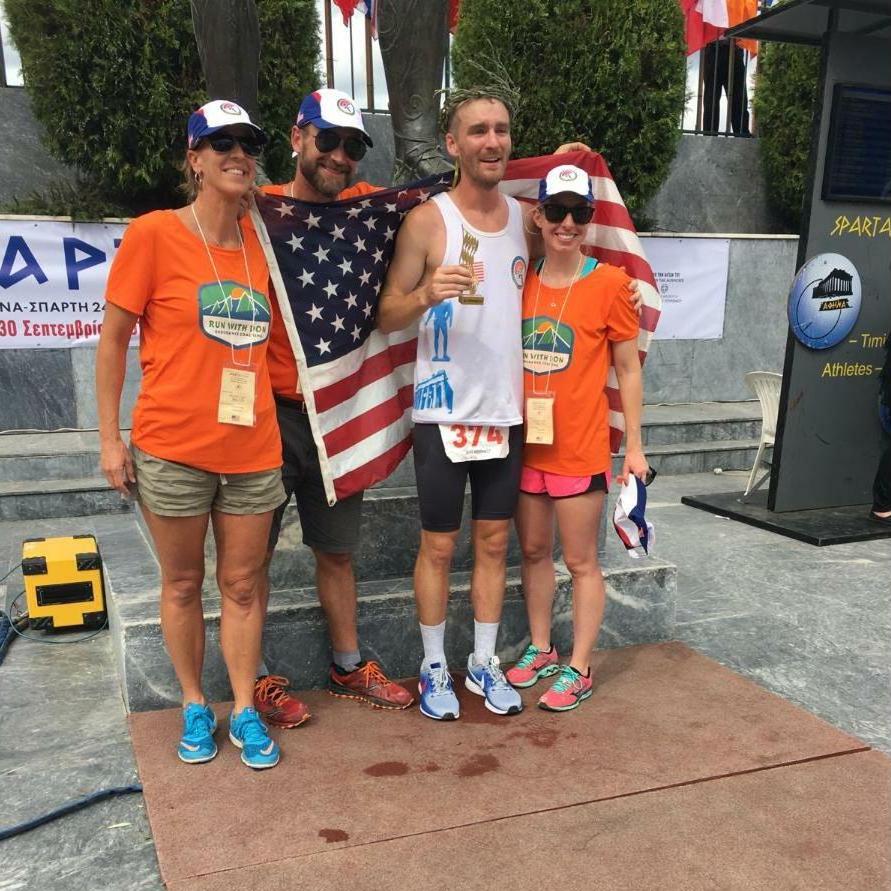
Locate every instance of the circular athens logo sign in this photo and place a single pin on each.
(518, 271)
(568, 175)
(230, 108)
(824, 301)
(346, 106)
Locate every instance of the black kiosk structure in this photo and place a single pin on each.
(828, 438)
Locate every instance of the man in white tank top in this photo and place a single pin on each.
(458, 273)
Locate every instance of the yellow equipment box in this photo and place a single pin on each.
(63, 581)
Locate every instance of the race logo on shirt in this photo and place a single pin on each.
(547, 346)
(518, 271)
(235, 315)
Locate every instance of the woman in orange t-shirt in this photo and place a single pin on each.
(575, 312)
(205, 446)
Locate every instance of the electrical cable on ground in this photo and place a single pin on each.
(69, 808)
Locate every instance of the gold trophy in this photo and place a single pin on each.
(469, 245)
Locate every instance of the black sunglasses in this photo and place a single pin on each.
(327, 141)
(224, 144)
(556, 213)
(651, 475)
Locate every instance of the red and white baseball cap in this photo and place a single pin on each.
(216, 115)
(630, 521)
(566, 178)
(331, 108)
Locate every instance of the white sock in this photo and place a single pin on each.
(485, 636)
(433, 638)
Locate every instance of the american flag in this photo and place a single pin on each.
(327, 264)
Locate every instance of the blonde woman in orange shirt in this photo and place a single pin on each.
(204, 448)
(576, 312)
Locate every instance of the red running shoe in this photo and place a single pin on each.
(276, 705)
(368, 683)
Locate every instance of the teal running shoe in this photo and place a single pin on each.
(248, 733)
(197, 744)
(488, 681)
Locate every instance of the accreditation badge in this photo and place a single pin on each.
(540, 419)
(238, 390)
(463, 442)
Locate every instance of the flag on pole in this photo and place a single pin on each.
(707, 20)
(328, 262)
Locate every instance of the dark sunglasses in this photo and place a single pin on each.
(651, 475)
(327, 141)
(556, 213)
(224, 144)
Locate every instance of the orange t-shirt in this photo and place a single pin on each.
(282, 365)
(575, 349)
(162, 273)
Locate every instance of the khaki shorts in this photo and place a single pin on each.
(177, 490)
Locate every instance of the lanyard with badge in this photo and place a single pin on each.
(540, 405)
(238, 382)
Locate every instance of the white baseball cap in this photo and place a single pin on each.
(331, 108)
(216, 115)
(566, 178)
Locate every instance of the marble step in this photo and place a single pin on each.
(700, 457)
(41, 499)
(640, 609)
(75, 454)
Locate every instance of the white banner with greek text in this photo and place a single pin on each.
(691, 275)
(52, 281)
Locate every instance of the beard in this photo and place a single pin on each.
(325, 182)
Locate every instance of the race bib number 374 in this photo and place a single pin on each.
(465, 443)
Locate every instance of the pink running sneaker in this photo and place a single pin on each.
(568, 691)
(534, 664)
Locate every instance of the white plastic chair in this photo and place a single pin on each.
(766, 386)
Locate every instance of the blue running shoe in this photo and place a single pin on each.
(197, 744)
(489, 681)
(248, 733)
(438, 700)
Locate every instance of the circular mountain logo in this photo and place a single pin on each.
(230, 108)
(518, 271)
(824, 301)
(346, 106)
(568, 175)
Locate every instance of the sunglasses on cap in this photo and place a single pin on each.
(223, 144)
(556, 213)
(353, 147)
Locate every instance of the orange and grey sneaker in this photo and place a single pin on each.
(569, 690)
(368, 683)
(275, 705)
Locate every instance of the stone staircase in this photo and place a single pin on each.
(49, 486)
(57, 474)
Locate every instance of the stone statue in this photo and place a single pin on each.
(414, 40)
(228, 37)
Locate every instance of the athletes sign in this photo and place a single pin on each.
(52, 281)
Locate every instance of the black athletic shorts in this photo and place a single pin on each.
(332, 530)
(494, 484)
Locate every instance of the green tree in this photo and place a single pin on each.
(608, 72)
(785, 103)
(113, 82)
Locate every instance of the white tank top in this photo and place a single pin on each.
(469, 368)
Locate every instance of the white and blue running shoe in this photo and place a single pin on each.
(249, 733)
(437, 699)
(197, 744)
(489, 681)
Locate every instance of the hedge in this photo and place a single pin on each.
(113, 82)
(785, 103)
(608, 72)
